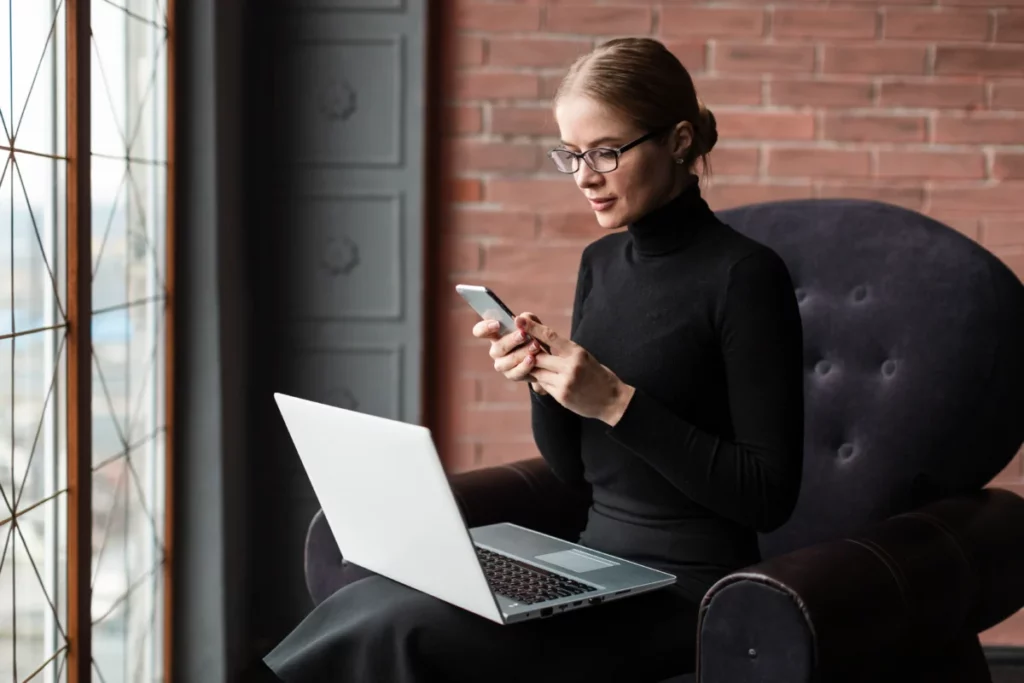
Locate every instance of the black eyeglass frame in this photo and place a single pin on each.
(617, 151)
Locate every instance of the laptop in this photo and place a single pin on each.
(388, 502)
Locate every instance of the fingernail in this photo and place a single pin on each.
(493, 325)
(520, 337)
(535, 347)
(528, 360)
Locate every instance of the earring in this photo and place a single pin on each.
(680, 161)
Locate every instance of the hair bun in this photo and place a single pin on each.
(707, 133)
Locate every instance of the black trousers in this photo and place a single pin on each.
(379, 631)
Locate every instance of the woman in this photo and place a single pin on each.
(676, 398)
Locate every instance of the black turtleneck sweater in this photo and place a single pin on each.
(703, 322)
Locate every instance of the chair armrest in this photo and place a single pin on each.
(841, 610)
(525, 492)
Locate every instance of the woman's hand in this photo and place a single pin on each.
(575, 378)
(513, 356)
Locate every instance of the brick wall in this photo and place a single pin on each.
(916, 103)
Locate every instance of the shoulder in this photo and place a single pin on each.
(744, 258)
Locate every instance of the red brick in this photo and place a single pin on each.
(693, 55)
(1002, 198)
(535, 52)
(911, 197)
(486, 422)
(999, 233)
(763, 125)
(460, 456)
(818, 24)
(818, 163)
(868, 3)
(1010, 27)
(471, 51)
(763, 59)
(932, 95)
(1007, 96)
(466, 389)
(538, 121)
(854, 128)
(998, 4)
(576, 225)
(725, 195)
(712, 22)
(482, 85)
(542, 263)
(948, 24)
(553, 193)
(498, 18)
(820, 93)
(979, 61)
(735, 161)
(472, 155)
(466, 190)
(599, 20)
(464, 254)
(716, 91)
(872, 59)
(924, 165)
(1009, 166)
(549, 84)
(965, 223)
(488, 222)
(979, 129)
(465, 120)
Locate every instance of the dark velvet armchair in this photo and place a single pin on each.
(896, 557)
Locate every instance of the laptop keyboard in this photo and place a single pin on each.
(526, 584)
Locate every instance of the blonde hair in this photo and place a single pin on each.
(640, 78)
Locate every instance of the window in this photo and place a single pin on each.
(114, 631)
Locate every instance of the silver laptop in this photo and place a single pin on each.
(387, 500)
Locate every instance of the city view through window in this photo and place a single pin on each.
(128, 104)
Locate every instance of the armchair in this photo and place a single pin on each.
(896, 556)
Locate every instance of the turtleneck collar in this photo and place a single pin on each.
(674, 225)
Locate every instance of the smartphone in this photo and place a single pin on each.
(487, 304)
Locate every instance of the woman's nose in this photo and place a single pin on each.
(587, 177)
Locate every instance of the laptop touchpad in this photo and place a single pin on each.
(576, 561)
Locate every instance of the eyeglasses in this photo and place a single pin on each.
(600, 159)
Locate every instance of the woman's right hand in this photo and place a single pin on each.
(513, 353)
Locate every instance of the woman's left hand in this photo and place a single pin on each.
(575, 378)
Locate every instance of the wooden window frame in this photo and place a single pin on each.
(78, 64)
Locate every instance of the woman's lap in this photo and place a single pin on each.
(379, 630)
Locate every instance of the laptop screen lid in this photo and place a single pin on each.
(387, 500)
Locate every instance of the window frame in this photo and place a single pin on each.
(78, 68)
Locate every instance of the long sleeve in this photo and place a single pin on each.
(754, 478)
(556, 429)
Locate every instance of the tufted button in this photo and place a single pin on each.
(889, 368)
(800, 295)
(823, 367)
(860, 292)
(846, 451)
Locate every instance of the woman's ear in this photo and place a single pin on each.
(682, 140)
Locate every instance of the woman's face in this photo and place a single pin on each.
(647, 175)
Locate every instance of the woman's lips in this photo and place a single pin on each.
(602, 204)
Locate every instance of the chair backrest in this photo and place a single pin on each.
(914, 360)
